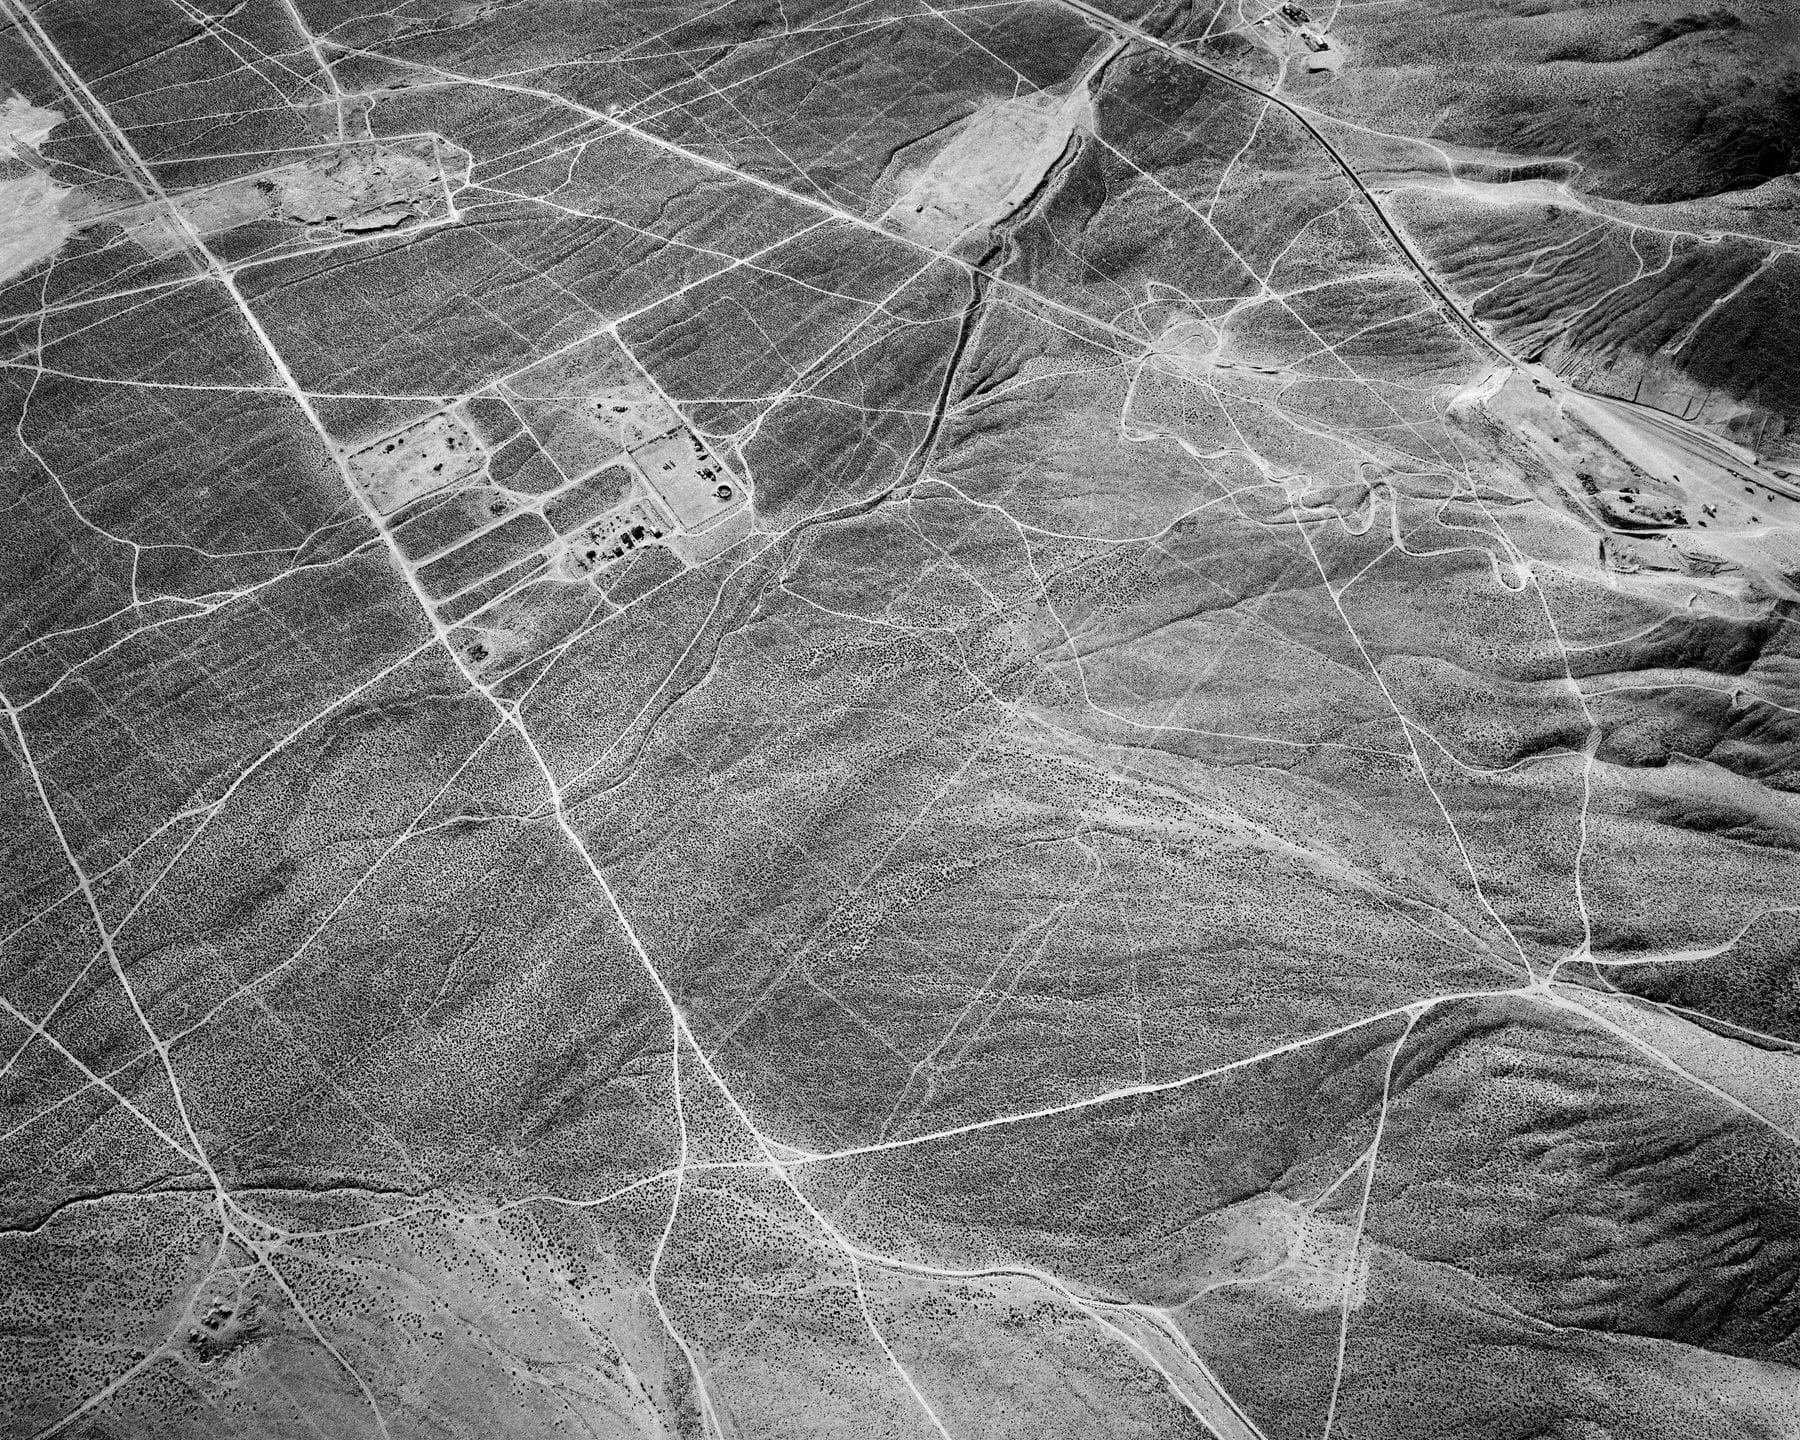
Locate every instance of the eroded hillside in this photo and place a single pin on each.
(1049, 719)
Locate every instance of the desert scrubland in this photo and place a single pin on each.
(1064, 718)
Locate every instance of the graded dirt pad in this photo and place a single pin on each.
(588, 404)
(348, 189)
(609, 537)
(1041, 720)
(696, 486)
(432, 455)
(992, 164)
(32, 225)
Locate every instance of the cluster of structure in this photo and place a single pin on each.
(1299, 22)
(691, 481)
(516, 489)
(614, 535)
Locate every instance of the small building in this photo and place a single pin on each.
(694, 484)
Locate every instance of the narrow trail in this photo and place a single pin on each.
(688, 1061)
(1113, 25)
(1714, 447)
